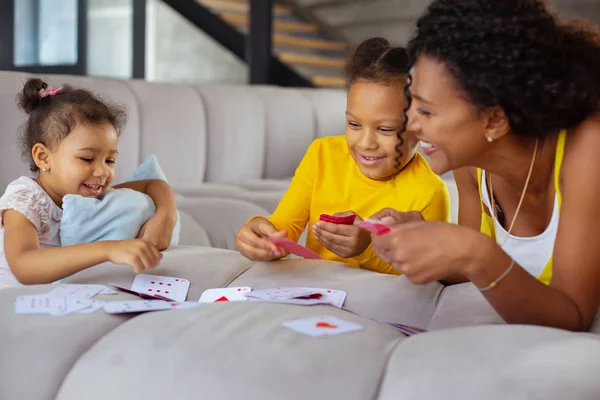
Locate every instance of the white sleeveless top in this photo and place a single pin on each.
(531, 253)
(28, 198)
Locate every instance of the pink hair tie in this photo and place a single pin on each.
(43, 92)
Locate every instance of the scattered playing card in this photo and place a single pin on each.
(172, 288)
(279, 293)
(93, 307)
(77, 290)
(299, 296)
(322, 326)
(374, 226)
(218, 295)
(336, 219)
(142, 295)
(72, 304)
(39, 304)
(294, 248)
(119, 307)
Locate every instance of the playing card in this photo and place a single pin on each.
(322, 326)
(300, 296)
(279, 293)
(142, 295)
(336, 219)
(294, 248)
(39, 304)
(77, 290)
(118, 307)
(72, 304)
(218, 295)
(93, 307)
(172, 288)
(374, 226)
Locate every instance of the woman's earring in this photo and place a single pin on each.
(490, 139)
(44, 169)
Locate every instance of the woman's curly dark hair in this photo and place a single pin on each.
(515, 54)
(376, 60)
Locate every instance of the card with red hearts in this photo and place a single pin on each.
(337, 219)
(322, 326)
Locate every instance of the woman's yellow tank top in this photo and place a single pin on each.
(487, 223)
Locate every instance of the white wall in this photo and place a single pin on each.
(177, 51)
(110, 38)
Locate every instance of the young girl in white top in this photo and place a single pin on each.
(70, 141)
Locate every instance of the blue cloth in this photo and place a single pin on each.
(118, 215)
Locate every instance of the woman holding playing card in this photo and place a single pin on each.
(360, 171)
(507, 96)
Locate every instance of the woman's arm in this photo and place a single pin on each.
(572, 299)
(32, 265)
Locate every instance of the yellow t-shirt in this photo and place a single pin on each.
(328, 181)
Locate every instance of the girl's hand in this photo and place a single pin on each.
(158, 230)
(389, 216)
(432, 251)
(251, 243)
(139, 254)
(345, 241)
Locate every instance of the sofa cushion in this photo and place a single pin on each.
(462, 305)
(37, 351)
(232, 351)
(178, 137)
(495, 363)
(11, 165)
(236, 133)
(290, 129)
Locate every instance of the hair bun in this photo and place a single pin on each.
(29, 98)
(366, 53)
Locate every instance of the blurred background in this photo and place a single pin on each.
(287, 43)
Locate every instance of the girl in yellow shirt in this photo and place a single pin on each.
(359, 173)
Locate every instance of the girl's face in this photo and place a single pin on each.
(451, 129)
(83, 163)
(374, 114)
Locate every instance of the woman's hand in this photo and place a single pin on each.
(345, 241)
(389, 216)
(251, 243)
(158, 230)
(432, 251)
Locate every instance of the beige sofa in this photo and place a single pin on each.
(229, 152)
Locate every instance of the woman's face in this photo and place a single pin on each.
(452, 131)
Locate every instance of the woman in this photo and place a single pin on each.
(507, 96)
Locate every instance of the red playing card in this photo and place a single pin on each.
(294, 248)
(336, 219)
(374, 226)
